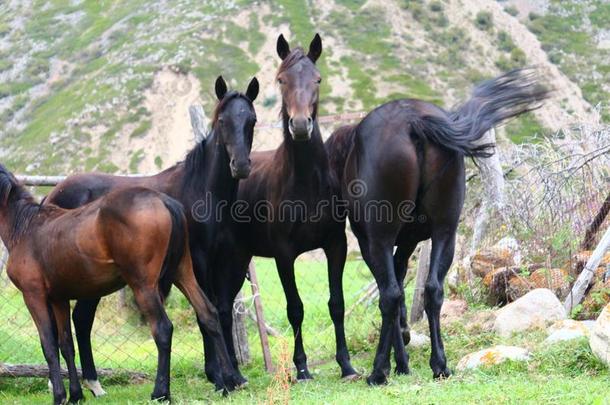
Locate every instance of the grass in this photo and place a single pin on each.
(562, 373)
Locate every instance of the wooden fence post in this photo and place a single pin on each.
(423, 268)
(260, 319)
(584, 279)
(240, 333)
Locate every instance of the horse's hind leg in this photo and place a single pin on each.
(441, 256)
(294, 308)
(207, 316)
(378, 255)
(40, 311)
(149, 303)
(336, 251)
(83, 317)
(61, 310)
(401, 256)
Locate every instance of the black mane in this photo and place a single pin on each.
(18, 202)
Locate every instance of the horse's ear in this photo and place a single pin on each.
(282, 47)
(315, 48)
(221, 87)
(252, 91)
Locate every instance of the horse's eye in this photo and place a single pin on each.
(319, 81)
(280, 81)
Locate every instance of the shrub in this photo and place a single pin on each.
(512, 10)
(436, 6)
(505, 42)
(484, 20)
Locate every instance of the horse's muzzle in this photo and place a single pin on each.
(300, 128)
(240, 170)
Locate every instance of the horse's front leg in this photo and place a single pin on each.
(61, 310)
(201, 272)
(336, 251)
(294, 309)
(37, 304)
(228, 281)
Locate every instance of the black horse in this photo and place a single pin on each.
(404, 162)
(206, 185)
(288, 208)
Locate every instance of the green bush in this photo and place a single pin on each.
(484, 21)
(512, 10)
(505, 42)
(436, 6)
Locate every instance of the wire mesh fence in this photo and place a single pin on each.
(554, 189)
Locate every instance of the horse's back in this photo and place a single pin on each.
(80, 189)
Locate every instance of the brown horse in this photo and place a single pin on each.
(295, 188)
(134, 237)
(406, 159)
(209, 174)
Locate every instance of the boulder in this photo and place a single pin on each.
(496, 283)
(505, 253)
(556, 280)
(493, 355)
(534, 309)
(600, 336)
(418, 340)
(518, 286)
(453, 310)
(567, 329)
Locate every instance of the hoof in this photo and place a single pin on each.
(351, 377)
(303, 375)
(402, 370)
(76, 398)
(441, 375)
(377, 379)
(233, 382)
(95, 387)
(160, 397)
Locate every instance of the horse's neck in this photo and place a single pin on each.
(16, 217)
(305, 160)
(212, 174)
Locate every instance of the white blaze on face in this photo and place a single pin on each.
(95, 387)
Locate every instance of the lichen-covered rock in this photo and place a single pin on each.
(492, 356)
(567, 329)
(556, 280)
(534, 309)
(600, 336)
(505, 253)
(496, 283)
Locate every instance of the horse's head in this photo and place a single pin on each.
(299, 80)
(233, 123)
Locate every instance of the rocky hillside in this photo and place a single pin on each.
(105, 85)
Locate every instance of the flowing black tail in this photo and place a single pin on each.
(492, 102)
(176, 246)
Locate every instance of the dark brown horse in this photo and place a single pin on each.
(205, 181)
(134, 237)
(288, 209)
(402, 174)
